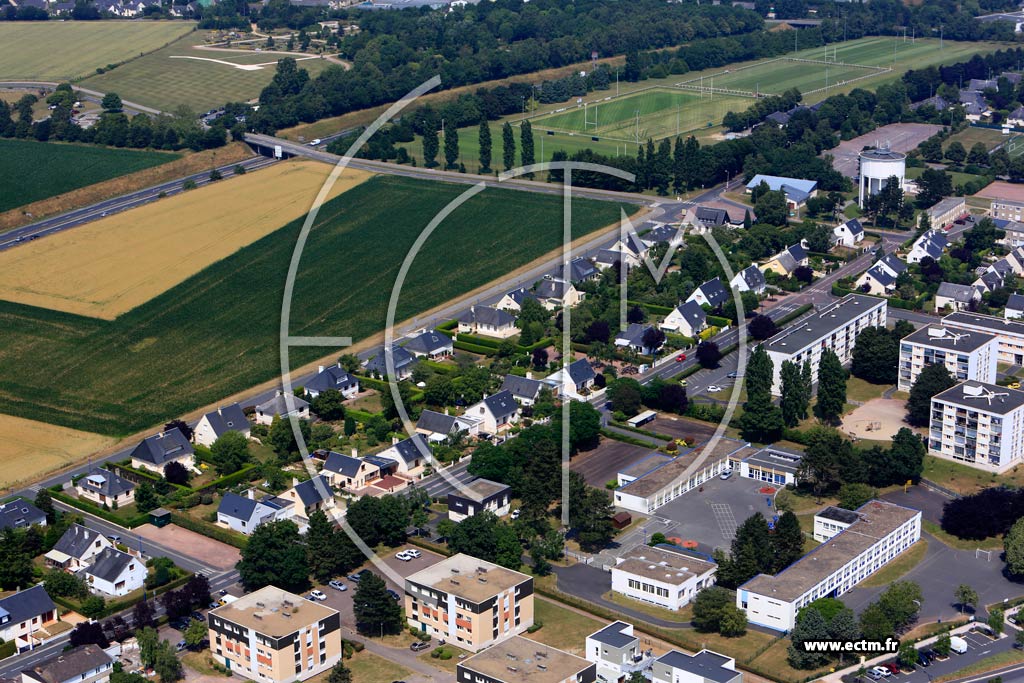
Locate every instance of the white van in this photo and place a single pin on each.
(958, 645)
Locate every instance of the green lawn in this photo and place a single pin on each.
(217, 332)
(563, 628)
(964, 479)
(970, 136)
(860, 390)
(37, 170)
(370, 668)
(898, 567)
(169, 77)
(66, 50)
(957, 177)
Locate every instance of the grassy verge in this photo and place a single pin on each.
(563, 628)
(965, 480)
(992, 543)
(996, 661)
(683, 616)
(367, 667)
(898, 567)
(862, 391)
(202, 663)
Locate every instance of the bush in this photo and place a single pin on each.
(536, 626)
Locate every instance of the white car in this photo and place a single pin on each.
(714, 389)
(315, 143)
(318, 594)
(882, 671)
(403, 556)
(413, 553)
(515, 514)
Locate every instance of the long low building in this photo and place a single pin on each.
(1010, 333)
(881, 532)
(773, 465)
(662, 577)
(834, 327)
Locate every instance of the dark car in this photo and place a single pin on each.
(419, 646)
(179, 624)
(394, 595)
(923, 659)
(198, 616)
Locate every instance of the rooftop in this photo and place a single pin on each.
(69, 665)
(990, 322)
(989, 398)
(777, 182)
(618, 634)
(663, 476)
(521, 660)
(706, 664)
(273, 612)
(947, 204)
(468, 578)
(648, 463)
(877, 519)
(479, 490)
(882, 155)
(838, 514)
(822, 323)
(774, 458)
(948, 338)
(659, 564)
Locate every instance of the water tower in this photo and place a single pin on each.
(876, 167)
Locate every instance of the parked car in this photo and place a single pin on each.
(354, 578)
(179, 624)
(182, 645)
(403, 556)
(419, 646)
(318, 595)
(680, 358)
(515, 514)
(315, 142)
(394, 595)
(337, 585)
(882, 671)
(214, 605)
(725, 474)
(714, 388)
(413, 552)
(892, 666)
(873, 675)
(923, 659)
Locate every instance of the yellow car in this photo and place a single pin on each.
(1013, 385)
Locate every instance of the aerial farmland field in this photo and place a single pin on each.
(216, 332)
(30, 449)
(66, 50)
(36, 170)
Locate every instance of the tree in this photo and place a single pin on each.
(965, 597)
(93, 606)
(762, 419)
(900, 602)
(15, 564)
(831, 387)
(810, 626)
(955, 152)
(196, 633)
(176, 473)
(652, 339)
(143, 614)
(215, 175)
(526, 145)
(795, 396)
(820, 465)
(852, 495)
(88, 633)
(375, 612)
(230, 452)
(322, 547)
(933, 185)
(329, 405)
(761, 327)
(451, 147)
(275, 554)
(111, 102)
(708, 354)
(733, 622)
(508, 146)
(485, 146)
(933, 379)
(340, 673)
(843, 626)
(625, 393)
(708, 606)
(145, 497)
(590, 514)
(771, 208)
(1013, 545)
(431, 145)
(875, 356)
(181, 426)
(995, 620)
(907, 654)
(60, 584)
(787, 541)
(942, 644)
(44, 501)
(875, 624)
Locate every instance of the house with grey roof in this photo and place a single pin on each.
(582, 270)
(77, 548)
(710, 215)
(438, 427)
(750, 279)
(114, 573)
(410, 454)
(711, 293)
(616, 651)
(308, 496)
(338, 378)
(283, 407)
(217, 423)
(349, 472)
(25, 617)
(989, 281)
(82, 664)
(479, 495)
(974, 104)
(687, 319)
(524, 389)
(955, 297)
(430, 344)
(938, 102)
(513, 301)
(797, 190)
(157, 451)
(787, 260)
(574, 381)
(487, 321)
(244, 513)
(404, 362)
(848, 234)
(665, 234)
(880, 278)
(931, 244)
(632, 245)
(497, 413)
(704, 667)
(555, 293)
(632, 338)
(1014, 307)
(607, 258)
(104, 487)
(20, 513)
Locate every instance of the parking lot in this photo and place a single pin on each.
(979, 646)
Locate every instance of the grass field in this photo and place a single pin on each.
(112, 265)
(172, 76)
(31, 449)
(777, 75)
(38, 170)
(217, 332)
(563, 628)
(1015, 146)
(971, 135)
(66, 50)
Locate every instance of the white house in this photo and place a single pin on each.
(307, 497)
(115, 573)
(438, 427)
(279, 407)
(930, 244)
(704, 667)
(750, 279)
(77, 548)
(338, 378)
(82, 664)
(848, 234)
(430, 344)
(479, 495)
(488, 322)
(244, 513)
(524, 389)
(632, 246)
(25, 617)
(632, 338)
(955, 297)
(787, 260)
(217, 423)
(154, 453)
(348, 471)
(880, 278)
(712, 294)
(403, 361)
(573, 380)
(496, 413)
(554, 293)
(409, 454)
(1014, 307)
(617, 653)
(661, 577)
(103, 487)
(687, 319)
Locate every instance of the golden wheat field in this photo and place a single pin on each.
(30, 449)
(112, 265)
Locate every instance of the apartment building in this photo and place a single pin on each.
(978, 424)
(966, 355)
(834, 327)
(1007, 209)
(469, 602)
(1010, 333)
(276, 636)
(616, 652)
(662, 577)
(942, 214)
(881, 533)
(521, 660)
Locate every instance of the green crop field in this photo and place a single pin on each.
(37, 170)
(181, 74)
(217, 332)
(66, 50)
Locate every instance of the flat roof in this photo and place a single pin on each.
(989, 322)
(882, 155)
(772, 457)
(660, 477)
(479, 489)
(662, 565)
(988, 398)
(521, 660)
(837, 514)
(468, 578)
(616, 634)
(877, 519)
(948, 338)
(273, 611)
(822, 323)
(706, 664)
(648, 463)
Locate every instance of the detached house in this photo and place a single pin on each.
(524, 389)
(410, 455)
(25, 617)
(573, 380)
(553, 293)
(932, 244)
(582, 270)
(307, 497)
(687, 319)
(478, 496)
(488, 322)
(632, 338)
(404, 362)
(348, 471)
(431, 344)
(663, 234)
(797, 190)
(750, 279)
(244, 513)
(20, 513)
(848, 234)
(216, 424)
(632, 245)
(496, 413)
(156, 452)
(335, 377)
(278, 407)
(607, 258)
(103, 487)
(115, 573)
(880, 278)
(1014, 307)
(956, 297)
(83, 664)
(712, 294)
(787, 260)
(77, 548)
(513, 301)
(438, 427)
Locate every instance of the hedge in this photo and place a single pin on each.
(359, 415)
(895, 302)
(626, 439)
(115, 606)
(651, 308)
(7, 649)
(718, 321)
(383, 385)
(436, 367)
(229, 480)
(473, 348)
(212, 530)
(128, 523)
(479, 341)
(495, 344)
(646, 432)
(447, 327)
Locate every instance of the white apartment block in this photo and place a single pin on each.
(1010, 333)
(978, 424)
(966, 354)
(881, 533)
(834, 327)
(661, 577)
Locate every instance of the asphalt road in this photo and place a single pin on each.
(84, 93)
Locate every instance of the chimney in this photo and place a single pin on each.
(355, 452)
(295, 481)
(250, 494)
(446, 410)
(529, 374)
(394, 440)
(320, 368)
(279, 393)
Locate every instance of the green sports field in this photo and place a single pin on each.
(37, 170)
(180, 74)
(66, 50)
(775, 76)
(217, 332)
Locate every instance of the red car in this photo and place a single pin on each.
(892, 666)
(680, 358)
